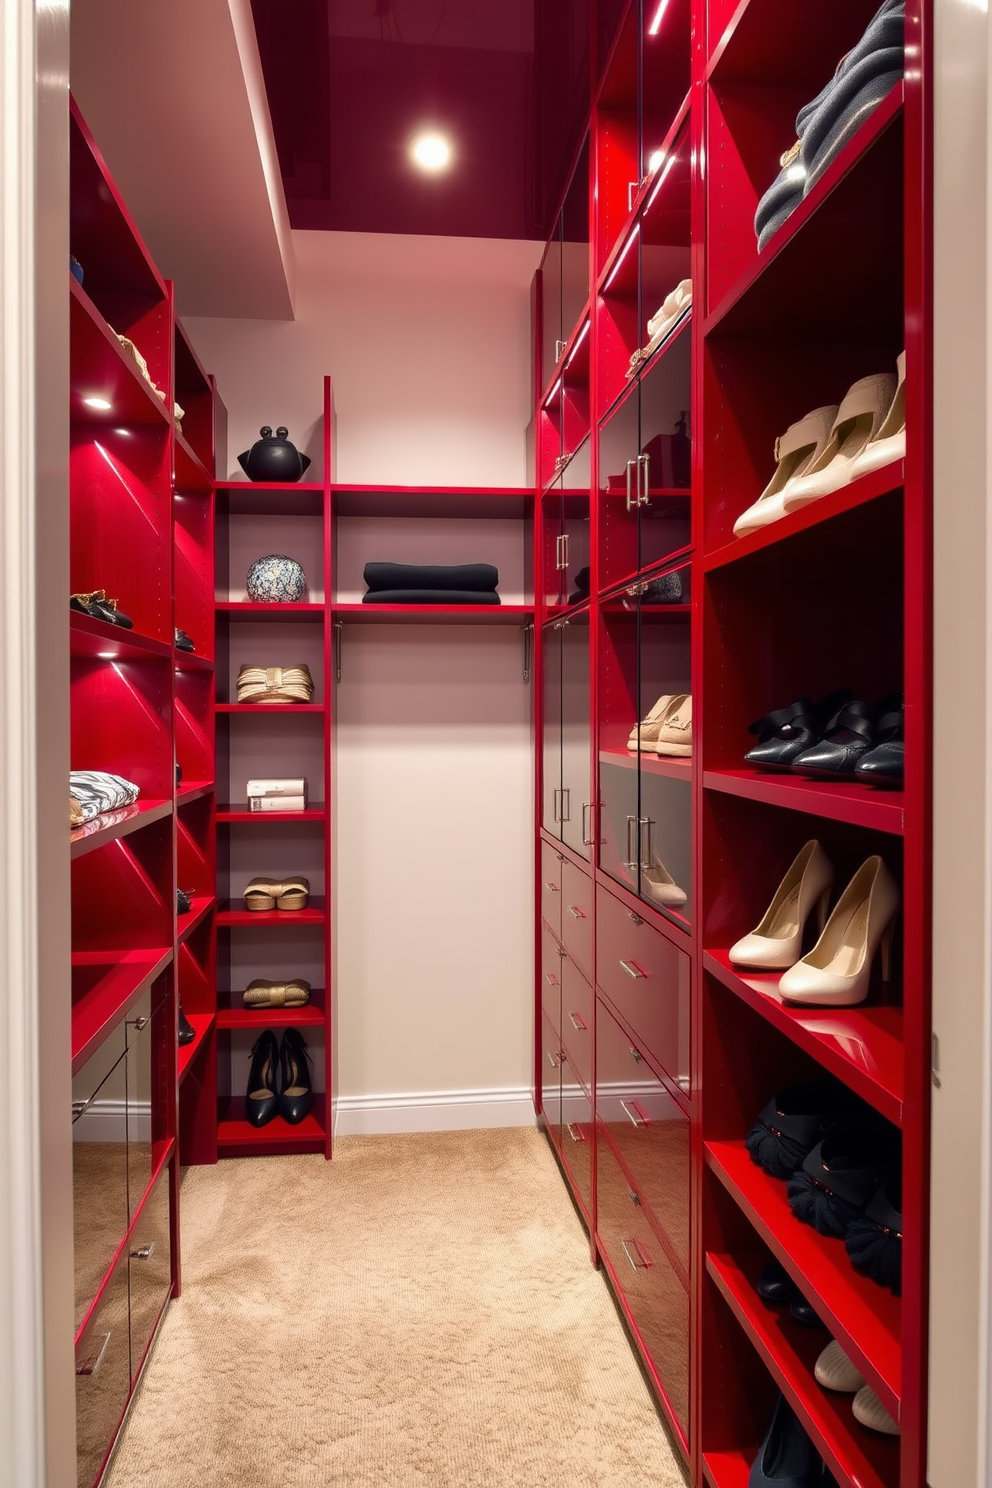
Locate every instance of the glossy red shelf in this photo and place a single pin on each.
(315, 812)
(101, 368)
(363, 614)
(105, 984)
(246, 498)
(863, 1046)
(188, 661)
(234, 1132)
(790, 1351)
(191, 475)
(862, 1316)
(247, 610)
(186, 1053)
(200, 907)
(193, 792)
(110, 826)
(859, 493)
(310, 1016)
(269, 708)
(728, 1469)
(314, 914)
(509, 502)
(670, 766)
(845, 801)
(106, 642)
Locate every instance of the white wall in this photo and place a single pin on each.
(428, 344)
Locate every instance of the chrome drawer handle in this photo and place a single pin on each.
(575, 1132)
(578, 1023)
(143, 1252)
(552, 888)
(551, 979)
(634, 1196)
(576, 912)
(632, 969)
(634, 1113)
(139, 1024)
(635, 1054)
(92, 1364)
(642, 1262)
(551, 1059)
(587, 840)
(634, 919)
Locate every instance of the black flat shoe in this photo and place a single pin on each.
(295, 1086)
(183, 642)
(775, 1285)
(802, 1313)
(261, 1101)
(884, 765)
(187, 1033)
(847, 736)
(784, 734)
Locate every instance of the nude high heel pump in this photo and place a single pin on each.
(837, 970)
(777, 942)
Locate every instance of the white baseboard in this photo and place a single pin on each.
(433, 1110)
(106, 1121)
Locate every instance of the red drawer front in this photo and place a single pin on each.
(551, 869)
(551, 1061)
(576, 917)
(646, 978)
(103, 1378)
(577, 1014)
(551, 974)
(657, 1301)
(150, 1270)
(577, 1136)
(649, 1132)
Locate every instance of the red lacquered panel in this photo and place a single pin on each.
(728, 1469)
(150, 1269)
(551, 1079)
(200, 907)
(863, 1046)
(864, 1317)
(385, 614)
(762, 41)
(236, 1136)
(311, 1015)
(89, 637)
(552, 963)
(577, 891)
(229, 812)
(790, 1352)
(104, 988)
(654, 1296)
(202, 1023)
(646, 978)
(111, 826)
(233, 912)
(103, 1375)
(845, 801)
(552, 868)
(650, 1135)
(577, 1014)
(577, 1137)
(102, 369)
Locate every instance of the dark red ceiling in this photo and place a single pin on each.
(349, 82)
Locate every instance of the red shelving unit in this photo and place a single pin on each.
(668, 860)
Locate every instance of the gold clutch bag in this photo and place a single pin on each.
(291, 684)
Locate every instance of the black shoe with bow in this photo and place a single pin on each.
(784, 735)
(884, 765)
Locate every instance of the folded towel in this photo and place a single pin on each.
(94, 791)
(432, 596)
(431, 576)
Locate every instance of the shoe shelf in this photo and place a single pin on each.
(247, 610)
(512, 503)
(862, 1316)
(846, 801)
(105, 985)
(237, 1137)
(652, 764)
(191, 475)
(762, 41)
(202, 1023)
(284, 708)
(314, 914)
(312, 1015)
(362, 614)
(102, 369)
(730, 1469)
(200, 907)
(111, 826)
(789, 1352)
(194, 791)
(863, 1046)
(188, 661)
(98, 638)
(239, 812)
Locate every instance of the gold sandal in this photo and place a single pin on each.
(264, 994)
(267, 893)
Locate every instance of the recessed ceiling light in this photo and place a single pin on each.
(431, 151)
(102, 403)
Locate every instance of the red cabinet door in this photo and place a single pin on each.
(103, 1376)
(551, 1062)
(577, 1014)
(551, 872)
(646, 978)
(577, 1135)
(150, 1269)
(552, 957)
(576, 917)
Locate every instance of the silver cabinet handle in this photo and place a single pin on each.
(575, 1132)
(560, 348)
(143, 1252)
(633, 187)
(634, 1197)
(92, 1364)
(551, 979)
(564, 550)
(551, 1059)
(139, 1024)
(566, 804)
(641, 1263)
(579, 1024)
(576, 912)
(634, 919)
(630, 863)
(633, 1114)
(643, 487)
(552, 888)
(555, 806)
(644, 825)
(631, 499)
(635, 1054)
(632, 969)
(561, 551)
(587, 841)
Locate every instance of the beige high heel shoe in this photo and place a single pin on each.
(859, 419)
(658, 884)
(647, 730)
(777, 942)
(795, 452)
(838, 968)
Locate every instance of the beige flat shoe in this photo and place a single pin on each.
(837, 970)
(264, 994)
(870, 1411)
(795, 452)
(675, 731)
(645, 733)
(859, 419)
(834, 1371)
(890, 442)
(267, 893)
(777, 942)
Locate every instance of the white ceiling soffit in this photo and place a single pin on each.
(175, 98)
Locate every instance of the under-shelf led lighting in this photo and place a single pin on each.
(553, 393)
(106, 655)
(660, 181)
(620, 261)
(430, 151)
(582, 336)
(655, 25)
(125, 432)
(655, 159)
(103, 404)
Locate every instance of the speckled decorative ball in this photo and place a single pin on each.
(275, 579)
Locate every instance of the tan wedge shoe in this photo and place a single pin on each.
(859, 419)
(837, 970)
(777, 942)
(267, 893)
(647, 730)
(795, 452)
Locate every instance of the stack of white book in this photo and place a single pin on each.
(277, 795)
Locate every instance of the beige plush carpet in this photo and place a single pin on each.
(419, 1313)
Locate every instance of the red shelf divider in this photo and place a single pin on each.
(314, 914)
(202, 1022)
(111, 826)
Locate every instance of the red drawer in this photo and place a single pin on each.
(654, 1296)
(551, 1060)
(649, 1132)
(551, 868)
(577, 1014)
(150, 1269)
(576, 917)
(103, 1377)
(577, 1135)
(646, 978)
(552, 960)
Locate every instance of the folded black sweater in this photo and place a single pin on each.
(457, 576)
(432, 596)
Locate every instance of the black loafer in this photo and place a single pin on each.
(295, 1086)
(847, 736)
(884, 765)
(802, 1313)
(775, 1285)
(261, 1101)
(187, 1033)
(784, 734)
(183, 642)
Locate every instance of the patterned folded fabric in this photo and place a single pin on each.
(463, 576)
(289, 684)
(94, 791)
(432, 596)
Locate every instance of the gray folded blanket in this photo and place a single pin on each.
(432, 596)
(480, 577)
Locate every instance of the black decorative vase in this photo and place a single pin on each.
(273, 458)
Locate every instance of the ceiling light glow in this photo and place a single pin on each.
(102, 403)
(431, 151)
